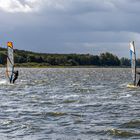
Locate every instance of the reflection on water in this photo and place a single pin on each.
(69, 103)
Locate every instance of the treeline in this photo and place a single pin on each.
(27, 58)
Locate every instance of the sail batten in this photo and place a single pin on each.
(10, 61)
(133, 61)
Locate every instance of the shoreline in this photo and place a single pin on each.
(56, 66)
(37, 65)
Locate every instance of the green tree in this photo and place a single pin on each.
(125, 61)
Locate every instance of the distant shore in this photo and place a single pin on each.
(37, 65)
(24, 58)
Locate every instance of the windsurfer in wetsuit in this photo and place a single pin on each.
(15, 76)
(138, 84)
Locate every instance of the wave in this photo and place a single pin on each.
(131, 124)
(3, 82)
(122, 133)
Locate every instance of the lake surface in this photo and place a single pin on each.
(69, 104)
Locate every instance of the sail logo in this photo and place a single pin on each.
(10, 44)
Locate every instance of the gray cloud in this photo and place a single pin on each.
(71, 26)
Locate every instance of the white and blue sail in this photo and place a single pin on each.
(133, 61)
(10, 61)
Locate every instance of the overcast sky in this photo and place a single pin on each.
(71, 26)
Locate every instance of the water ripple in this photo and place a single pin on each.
(69, 103)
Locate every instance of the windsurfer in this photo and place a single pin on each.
(138, 84)
(15, 76)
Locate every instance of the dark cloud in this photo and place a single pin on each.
(71, 26)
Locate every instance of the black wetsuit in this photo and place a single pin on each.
(15, 76)
(138, 84)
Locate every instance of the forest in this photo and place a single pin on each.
(28, 58)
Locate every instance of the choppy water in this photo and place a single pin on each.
(69, 104)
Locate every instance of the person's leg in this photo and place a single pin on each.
(14, 79)
(138, 84)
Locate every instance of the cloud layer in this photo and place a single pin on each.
(71, 26)
(24, 6)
